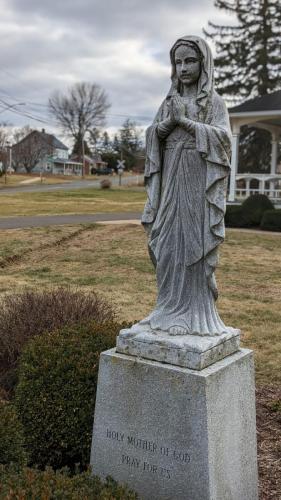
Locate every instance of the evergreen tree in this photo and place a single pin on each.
(108, 152)
(77, 148)
(130, 142)
(248, 61)
(116, 144)
(106, 143)
(94, 138)
(129, 136)
(248, 64)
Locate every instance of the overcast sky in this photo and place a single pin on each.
(123, 45)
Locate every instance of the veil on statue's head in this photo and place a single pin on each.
(206, 79)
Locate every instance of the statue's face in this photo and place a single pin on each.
(188, 66)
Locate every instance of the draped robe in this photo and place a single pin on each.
(186, 178)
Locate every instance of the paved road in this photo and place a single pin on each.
(69, 185)
(53, 220)
(57, 220)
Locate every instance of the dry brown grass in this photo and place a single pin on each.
(269, 441)
(76, 201)
(13, 180)
(113, 261)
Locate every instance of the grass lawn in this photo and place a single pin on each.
(76, 201)
(14, 180)
(113, 261)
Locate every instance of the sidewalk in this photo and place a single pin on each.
(100, 218)
(56, 220)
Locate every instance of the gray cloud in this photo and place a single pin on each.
(121, 44)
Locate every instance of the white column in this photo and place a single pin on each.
(248, 187)
(234, 164)
(261, 186)
(274, 153)
(271, 185)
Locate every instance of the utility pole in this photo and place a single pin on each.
(10, 159)
(7, 149)
(83, 155)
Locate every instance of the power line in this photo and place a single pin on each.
(26, 114)
(113, 115)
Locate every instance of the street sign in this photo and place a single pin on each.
(120, 168)
(121, 164)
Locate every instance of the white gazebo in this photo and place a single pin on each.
(262, 112)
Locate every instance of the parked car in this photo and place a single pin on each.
(101, 171)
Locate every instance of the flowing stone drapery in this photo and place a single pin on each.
(184, 217)
(186, 174)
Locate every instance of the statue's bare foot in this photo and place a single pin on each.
(178, 330)
(126, 333)
(140, 327)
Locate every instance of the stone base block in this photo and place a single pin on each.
(190, 351)
(172, 433)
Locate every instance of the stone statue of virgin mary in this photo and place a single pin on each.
(187, 166)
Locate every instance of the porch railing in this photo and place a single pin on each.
(273, 194)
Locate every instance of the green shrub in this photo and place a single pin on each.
(254, 207)
(271, 220)
(27, 484)
(31, 313)
(234, 216)
(11, 436)
(250, 213)
(55, 396)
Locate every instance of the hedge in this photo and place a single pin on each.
(31, 313)
(11, 436)
(250, 213)
(27, 484)
(254, 207)
(271, 220)
(234, 216)
(55, 396)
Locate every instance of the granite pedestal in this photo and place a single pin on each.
(173, 433)
(190, 351)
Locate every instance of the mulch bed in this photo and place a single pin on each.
(269, 441)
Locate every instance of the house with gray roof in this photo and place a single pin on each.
(33, 151)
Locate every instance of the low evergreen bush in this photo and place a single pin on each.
(31, 313)
(250, 213)
(55, 395)
(27, 484)
(254, 207)
(11, 436)
(234, 216)
(271, 220)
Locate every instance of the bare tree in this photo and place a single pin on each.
(31, 149)
(21, 133)
(80, 110)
